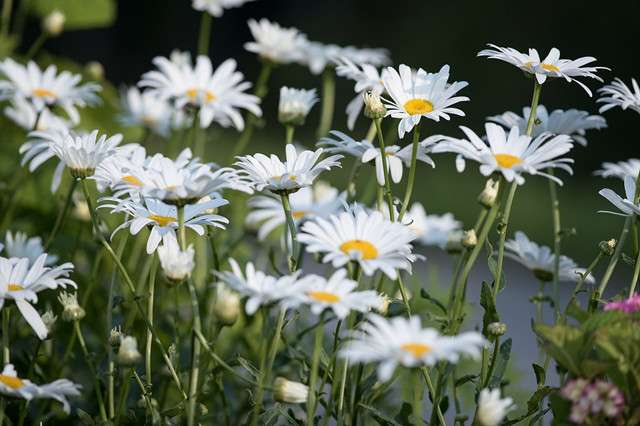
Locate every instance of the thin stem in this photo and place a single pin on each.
(35, 47)
(504, 225)
(6, 350)
(535, 100)
(150, 307)
(220, 361)
(614, 258)
(432, 392)
(289, 132)
(636, 273)
(273, 347)
(492, 365)
(557, 235)
(92, 369)
(62, 214)
(315, 361)
(124, 393)
(328, 102)
(292, 230)
(583, 278)
(262, 355)
(412, 172)
(7, 6)
(204, 36)
(387, 181)
(403, 293)
(417, 398)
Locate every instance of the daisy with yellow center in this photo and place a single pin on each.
(418, 94)
(369, 239)
(396, 159)
(402, 341)
(512, 154)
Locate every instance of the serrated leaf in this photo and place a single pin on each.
(79, 14)
(504, 353)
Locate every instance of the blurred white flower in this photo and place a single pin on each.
(53, 23)
(618, 94)
(275, 43)
(620, 169)
(146, 109)
(176, 264)
(492, 409)
(19, 245)
(295, 104)
(216, 7)
(24, 114)
(627, 205)
(433, 229)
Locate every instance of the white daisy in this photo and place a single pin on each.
(571, 122)
(24, 114)
(319, 200)
(146, 109)
(627, 205)
(117, 171)
(216, 7)
(12, 385)
(345, 144)
(336, 294)
(397, 158)
(298, 170)
(317, 56)
(163, 218)
(369, 239)
(260, 288)
(620, 169)
(21, 283)
(492, 409)
(46, 88)
(618, 94)
(433, 229)
(402, 341)
(217, 95)
(511, 154)
(20, 245)
(295, 105)
(376, 56)
(541, 260)
(176, 264)
(551, 66)
(418, 95)
(275, 43)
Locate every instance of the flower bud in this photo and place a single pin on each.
(128, 354)
(95, 70)
(373, 106)
(53, 23)
(608, 247)
(49, 320)
(226, 307)
(489, 194)
(290, 392)
(383, 308)
(72, 311)
(115, 336)
(469, 239)
(496, 329)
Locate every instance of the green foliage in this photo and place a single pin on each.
(79, 14)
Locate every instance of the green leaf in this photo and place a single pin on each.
(575, 311)
(464, 379)
(504, 353)
(380, 417)
(541, 375)
(79, 14)
(533, 404)
(433, 300)
(490, 312)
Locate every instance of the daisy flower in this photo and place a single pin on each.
(12, 385)
(345, 144)
(511, 154)
(20, 245)
(295, 105)
(117, 171)
(571, 122)
(274, 43)
(297, 171)
(21, 282)
(397, 159)
(146, 109)
(46, 89)
(216, 7)
(369, 239)
(620, 169)
(433, 229)
(627, 205)
(418, 95)
(163, 218)
(260, 288)
(401, 341)
(216, 95)
(317, 56)
(492, 408)
(376, 56)
(552, 66)
(336, 294)
(176, 264)
(618, 94)
(24, 114)
(319, 200)
(541, 261)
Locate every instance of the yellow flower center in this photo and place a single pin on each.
(507, 161)
(132, 180)
(10, 381)
(43, 93)
(14, 287)
(416, 349)
(162, 220)
(209, 96)
(418, 106)
(299, 214)
(368, 250)
(324, 296)
(550, 67)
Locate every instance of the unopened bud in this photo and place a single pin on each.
(72, 311)
(95, 70)
(290, 392)
(128, 354)
(454, 242)
(53, 23)
(469, 239)
(226, 307)
(489, 194)
(115, 336)
(49, 320)
(608, 247)
(383, 307)
(496, 329)
(373, 106)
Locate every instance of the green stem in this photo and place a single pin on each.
(417, 399)
(35, 47)
(504, 225)
(328, 102)
(412, 173)
(150, 307)
(403, 293)
(557, 236)
(6, 350)
(205, 34)
(387, 181)
(262, 355)
(614, 258)
(273, 347)
(220, 361)
(92, 369)
(583, 278)
(292, 230)
(636, 273)
(124, 393)
(432, 392)
(315, 361)
(7, 6)
(289, 132)
(62, 214)
(492, 365)
(535, 100)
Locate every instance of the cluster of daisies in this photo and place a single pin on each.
(177, 201)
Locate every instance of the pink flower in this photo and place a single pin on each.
(592, 398)
(629, 305)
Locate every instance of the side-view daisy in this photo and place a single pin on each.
(25, 115)
(369, 239)
(397, 158)
(492, 408)
(146, 109)
(176, 264)
(295, 105)
(618, 94)
(12, 385)
(275, 43)
(419, 94)
(630, 167)
(338, 142)
(336, 294)
(511, 154)
(402, 341)
(627, 205)
(552, 66)
(216, 7)
(297, 171)
(540, 260)
(433, 229)
(571, 122)
(19, 245)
